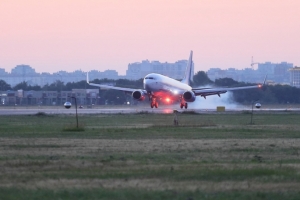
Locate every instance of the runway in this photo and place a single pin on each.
(33, 111)
(129, 110)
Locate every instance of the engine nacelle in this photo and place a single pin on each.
(139, 95)
(189, 96)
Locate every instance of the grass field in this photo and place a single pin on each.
(143, 156)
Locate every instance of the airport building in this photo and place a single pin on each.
(39, 98)
(295, 77)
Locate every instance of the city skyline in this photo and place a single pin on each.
(278, 73)
(71, 35)
(133, 63)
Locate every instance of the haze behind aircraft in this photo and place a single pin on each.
(157, 86)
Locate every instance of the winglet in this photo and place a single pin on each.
(87, 78)
(260, 85)
(188, 72)
(265, 79)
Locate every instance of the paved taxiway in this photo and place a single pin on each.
(126, 110)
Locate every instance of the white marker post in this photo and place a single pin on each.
(175, 118)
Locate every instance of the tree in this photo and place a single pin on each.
(228, 82)
(24, 86)
(4, 86)
(268, 95)
(285, 94)
(138, 84)
(21, 86)
(201, 79)
(34, 87)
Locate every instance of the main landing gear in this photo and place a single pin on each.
(154, 103)
(183, 104)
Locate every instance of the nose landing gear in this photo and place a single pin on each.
(154, 103)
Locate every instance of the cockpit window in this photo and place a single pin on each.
(149, 78)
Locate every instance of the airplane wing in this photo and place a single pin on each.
(217, 91)
(127, 90)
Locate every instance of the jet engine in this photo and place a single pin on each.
(139, 95)
(189, 96)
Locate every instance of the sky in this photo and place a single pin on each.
(109, 34)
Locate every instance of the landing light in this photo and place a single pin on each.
(259, 86)
(168, 100)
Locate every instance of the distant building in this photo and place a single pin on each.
(244, 75)
(276, 72)
(22, 73)
(215, 73)
(140, 70)
(108, 74)
(23, 70)
(281, 72)
(26, 73)
(266, 68)
(3, 72)
(295, 76)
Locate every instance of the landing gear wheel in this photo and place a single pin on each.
(186, 105)
(151, 105)
(181, 105)
(156, 105)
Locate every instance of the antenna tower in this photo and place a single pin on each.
(253, 63)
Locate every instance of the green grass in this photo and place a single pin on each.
(73, 127)
(11, 194)
(143, 156)
(151, 126)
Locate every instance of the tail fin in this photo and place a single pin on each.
(188, 72)
(265, 80)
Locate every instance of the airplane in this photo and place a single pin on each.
(157, 86)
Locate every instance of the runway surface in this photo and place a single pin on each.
(127, 110)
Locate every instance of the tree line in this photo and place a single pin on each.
(273, 94)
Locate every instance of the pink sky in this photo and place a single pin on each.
(108, 34)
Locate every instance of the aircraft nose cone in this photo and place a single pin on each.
(146, 86)
(145, 83)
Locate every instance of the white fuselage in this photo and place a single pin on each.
(160, 85)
